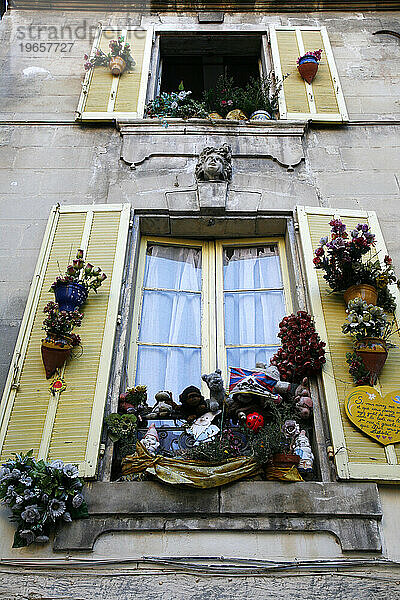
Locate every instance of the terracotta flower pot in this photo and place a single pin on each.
(55, 351)
(117, 65)
(285, 461)
(373, 353)
(363, 290)
(308, 67)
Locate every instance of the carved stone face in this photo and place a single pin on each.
(213, 167)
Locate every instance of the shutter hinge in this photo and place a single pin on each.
(119, 319)
(131, 224)
(296, 226)
(102, 450)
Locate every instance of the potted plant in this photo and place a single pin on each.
(259, 99)
(222, 99)
(307, 64)
(370, 328)
(71, 290)
(59, 340)
(41, 496)
(117, 60)
(341, 258)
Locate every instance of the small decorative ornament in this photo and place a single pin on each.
(377, 417)
(236, 115)
(255, 421)
(57, 386)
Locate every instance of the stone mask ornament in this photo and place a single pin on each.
(215, 164)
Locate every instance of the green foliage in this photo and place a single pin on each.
(122, 429)
(357, 369)
(40, 496)
(223, 97)
(259, 94)
(265, 442)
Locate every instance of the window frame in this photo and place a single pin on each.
(213, 347)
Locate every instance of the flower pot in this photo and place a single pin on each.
(285, 461)
(373, 353)
(215, 116)
(117, 65)
(55, 351)
(363, 290)
(236, 115)
(260, 115)
(308, 67)
(70, 295)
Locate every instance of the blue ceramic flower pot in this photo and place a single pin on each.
(70, 295)
(305, 59)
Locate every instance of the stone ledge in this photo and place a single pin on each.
(350, 511)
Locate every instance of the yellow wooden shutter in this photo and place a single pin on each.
(68, 425)
(322, 100)
(356, 455)
(106, 97)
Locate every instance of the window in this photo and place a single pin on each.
(198, 60)
(205, 304)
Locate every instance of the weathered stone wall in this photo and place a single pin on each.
(46, 158)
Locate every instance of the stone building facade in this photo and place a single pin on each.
(332, 537)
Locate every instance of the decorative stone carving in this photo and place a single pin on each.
(215, 164)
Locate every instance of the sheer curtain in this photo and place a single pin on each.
(171, 314)
(254, 303)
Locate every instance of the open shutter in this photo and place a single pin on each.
(322, 100)
(357, 456)
(68, 425)
(106, 97)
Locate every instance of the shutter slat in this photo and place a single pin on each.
(63, 427)
(357, 456)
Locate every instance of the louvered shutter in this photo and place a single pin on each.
(68, 425)
(356, 455)
(106, 97)
(322, 100)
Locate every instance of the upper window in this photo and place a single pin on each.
(202, 305)
(198, 59)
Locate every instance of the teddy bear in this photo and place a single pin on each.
(215, 384)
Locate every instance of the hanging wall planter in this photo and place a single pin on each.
(55, 351)
(307, 65)
(373, 353)
(70, 296)
(363, 290)
(117, 65)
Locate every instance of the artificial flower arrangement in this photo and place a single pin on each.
(302, 353)
(41, 495)
(307, 64)
(341, 258)
(370, 329)
(118, 58)
(71, 291)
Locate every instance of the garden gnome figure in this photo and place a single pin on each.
(151, 441)
(202, 429)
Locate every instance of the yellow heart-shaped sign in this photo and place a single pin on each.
(376, 416)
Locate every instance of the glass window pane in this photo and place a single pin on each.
(246, 358)
(171, 369)
(253, 317)
(170, 318)
(249, 268)
(173, 268)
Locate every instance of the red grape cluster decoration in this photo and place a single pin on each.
(302, 353)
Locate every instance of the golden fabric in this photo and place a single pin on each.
(193, 473)
(281, 474)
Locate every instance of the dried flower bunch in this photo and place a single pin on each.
(80, 272)
(59, 323)
(314, 53)
(117, 48)
(366, 320)
(40, 495)
(302, 353)
(357, 369)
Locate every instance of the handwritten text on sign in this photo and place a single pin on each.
(376, 416)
